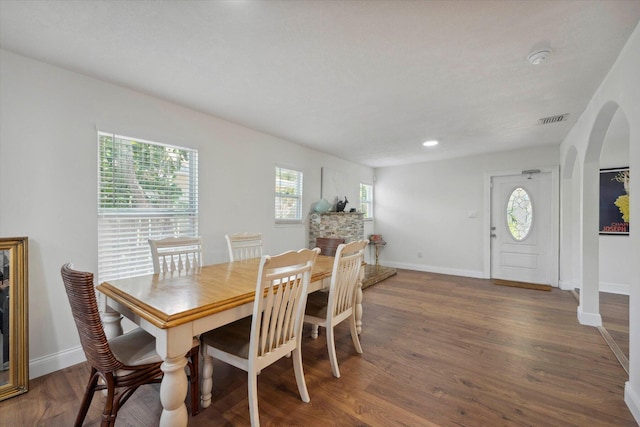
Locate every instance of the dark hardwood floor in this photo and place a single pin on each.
(438, 351)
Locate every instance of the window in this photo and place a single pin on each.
(366, 200)
(145, 191)
(519, 213)
(288, 195)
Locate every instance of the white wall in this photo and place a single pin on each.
(48, 176)
(424, 209)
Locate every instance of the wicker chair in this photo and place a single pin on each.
(123, 363)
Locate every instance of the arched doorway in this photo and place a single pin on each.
(615, 251)
(589, 310)
(609, 135)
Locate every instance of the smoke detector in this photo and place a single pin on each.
(537, 57)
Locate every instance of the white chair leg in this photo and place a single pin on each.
(331, 347)
(354, 334)
(297, 369)
(253, 398)
(314, 331)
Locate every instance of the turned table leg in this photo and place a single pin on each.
(173, 391)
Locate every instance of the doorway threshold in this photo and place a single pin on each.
(524, 285)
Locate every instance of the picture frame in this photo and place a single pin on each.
(334, 186)
(614, 201)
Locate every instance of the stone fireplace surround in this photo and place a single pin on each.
(350, 227)
(346, 225)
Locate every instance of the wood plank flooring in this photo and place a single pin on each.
(614, 309)
(438, 351)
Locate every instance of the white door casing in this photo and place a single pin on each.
(534, 258)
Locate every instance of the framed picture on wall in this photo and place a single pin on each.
(614, 201)
(334, 186)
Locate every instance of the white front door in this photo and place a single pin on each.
(521, 229)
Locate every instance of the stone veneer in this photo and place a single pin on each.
(348, 225)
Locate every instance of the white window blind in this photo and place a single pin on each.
(288, 195)
(146, 191)
(366, 200)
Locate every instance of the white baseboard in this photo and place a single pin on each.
(589, 319)
(631, 398)
(55, 362)
(433, 269)
(567, 285)
(614, 288)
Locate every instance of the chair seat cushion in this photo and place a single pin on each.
(317, 304)
(135, 348)
(232, 338)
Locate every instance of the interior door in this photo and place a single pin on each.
(521, 241)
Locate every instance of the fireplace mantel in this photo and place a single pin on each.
(347, 225)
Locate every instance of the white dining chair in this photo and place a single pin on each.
(275, 328)
(327, 309)
(244, 246)
(177, 254)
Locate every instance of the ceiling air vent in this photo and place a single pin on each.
(553, 119)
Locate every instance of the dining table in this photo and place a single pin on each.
(176, 306)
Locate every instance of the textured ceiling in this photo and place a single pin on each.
(367, 81)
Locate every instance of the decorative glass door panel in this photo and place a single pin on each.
(519, 214)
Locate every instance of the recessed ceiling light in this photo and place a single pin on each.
(431, 143)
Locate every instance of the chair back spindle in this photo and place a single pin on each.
(244, 246)
(176, 253)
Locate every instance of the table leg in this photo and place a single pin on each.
(112, 324)
(173, 391)
(314, 331)
(207, 378)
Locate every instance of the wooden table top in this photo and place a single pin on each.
(167, 300)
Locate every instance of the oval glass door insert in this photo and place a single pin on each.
(519, 213)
